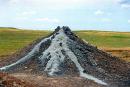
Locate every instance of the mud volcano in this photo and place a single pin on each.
(62, 53)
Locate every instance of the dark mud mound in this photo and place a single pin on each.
(62, 53)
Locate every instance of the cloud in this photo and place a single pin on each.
(61, 4)
(124, 3)
(106, 20)
(24, 15)
(28, 13)
(102, 13)
(128, 21)
(54, 20)
(21, 18)
(99, 12)
(13, 1)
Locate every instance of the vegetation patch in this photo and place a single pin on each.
(12, 39)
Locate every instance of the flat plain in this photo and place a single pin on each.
(115, 43)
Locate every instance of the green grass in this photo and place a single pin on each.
(12, 39)
(107, 39)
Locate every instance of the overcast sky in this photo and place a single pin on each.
(78, 14)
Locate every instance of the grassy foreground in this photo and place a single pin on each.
(118, 43)
(12, 40)
(106, 39)
(115, 43)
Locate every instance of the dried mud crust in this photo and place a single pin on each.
(66, 81)
(10, 81)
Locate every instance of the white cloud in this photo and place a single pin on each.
(13, 1)
(125, 5)
(128, 21)
(60, 4)
(21, 18)
(106, 20)
(99, 12)
(28, 13)
(24, 15)
(54, 20)
(102, 13)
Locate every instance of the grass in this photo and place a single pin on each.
(106, 39)
(12, 39)
(116, 43)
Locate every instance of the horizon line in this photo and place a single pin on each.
(73, 29)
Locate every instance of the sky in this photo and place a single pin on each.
(106, 15)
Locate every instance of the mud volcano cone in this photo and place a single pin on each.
(62, 53)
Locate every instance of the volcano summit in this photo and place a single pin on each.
(62, 53)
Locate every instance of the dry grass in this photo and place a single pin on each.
(117, 43)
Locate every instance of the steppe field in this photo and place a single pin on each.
(115, 43)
